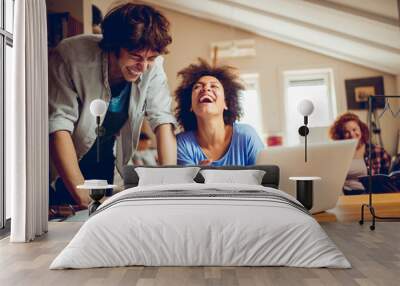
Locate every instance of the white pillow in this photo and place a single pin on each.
(163, 176)
(249, 177)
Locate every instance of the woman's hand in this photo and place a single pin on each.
(205, 162)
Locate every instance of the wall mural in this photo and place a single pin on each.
(91, 140)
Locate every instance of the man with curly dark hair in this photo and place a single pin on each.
(124, 67)
(207, 109)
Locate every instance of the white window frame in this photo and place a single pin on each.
(252, 79)
(309, 74)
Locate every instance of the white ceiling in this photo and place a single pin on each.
(385, 8)
(358, 31)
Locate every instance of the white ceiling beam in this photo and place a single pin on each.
(325, 18)
(383, 9)
(378, 57)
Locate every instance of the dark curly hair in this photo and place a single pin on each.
(135, 27)
(337, 132)
(229, 79)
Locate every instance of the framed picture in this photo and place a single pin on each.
(358, 91)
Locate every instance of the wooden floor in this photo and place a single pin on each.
(374, 255)
(348, 208)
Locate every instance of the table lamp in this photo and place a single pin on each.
(305, 108)
(98, 107)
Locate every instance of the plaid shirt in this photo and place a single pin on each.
(380, 159)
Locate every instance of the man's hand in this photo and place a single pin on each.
(83, 198)
(63, 155)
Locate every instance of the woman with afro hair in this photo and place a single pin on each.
(207, 110)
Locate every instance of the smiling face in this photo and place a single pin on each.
(208, 97)
(134, 63)
(352, 130)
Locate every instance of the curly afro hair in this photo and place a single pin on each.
(229, 79)
(336, 131)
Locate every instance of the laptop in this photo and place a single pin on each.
(316, 135)
(329, 160)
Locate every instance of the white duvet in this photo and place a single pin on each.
(206, 230)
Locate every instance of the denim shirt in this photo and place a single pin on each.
(78, 74)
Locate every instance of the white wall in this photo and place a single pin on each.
(87, 16)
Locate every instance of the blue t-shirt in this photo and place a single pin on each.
(117, 112)
(243, 149)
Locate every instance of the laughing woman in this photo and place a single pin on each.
(350, 126)
(208, 107)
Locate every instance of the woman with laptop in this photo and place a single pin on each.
(349, 126)
(207, 110)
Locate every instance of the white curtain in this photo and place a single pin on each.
(27, 124)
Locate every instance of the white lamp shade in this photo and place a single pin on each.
(98, 107)
(305, 107)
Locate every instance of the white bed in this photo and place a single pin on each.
(201, 224)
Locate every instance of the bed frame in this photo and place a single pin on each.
(270, 179)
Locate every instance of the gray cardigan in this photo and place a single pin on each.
(78, 74)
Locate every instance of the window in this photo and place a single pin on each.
(9, 13)
(6, 60)
(314, 85)
(251, 103)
